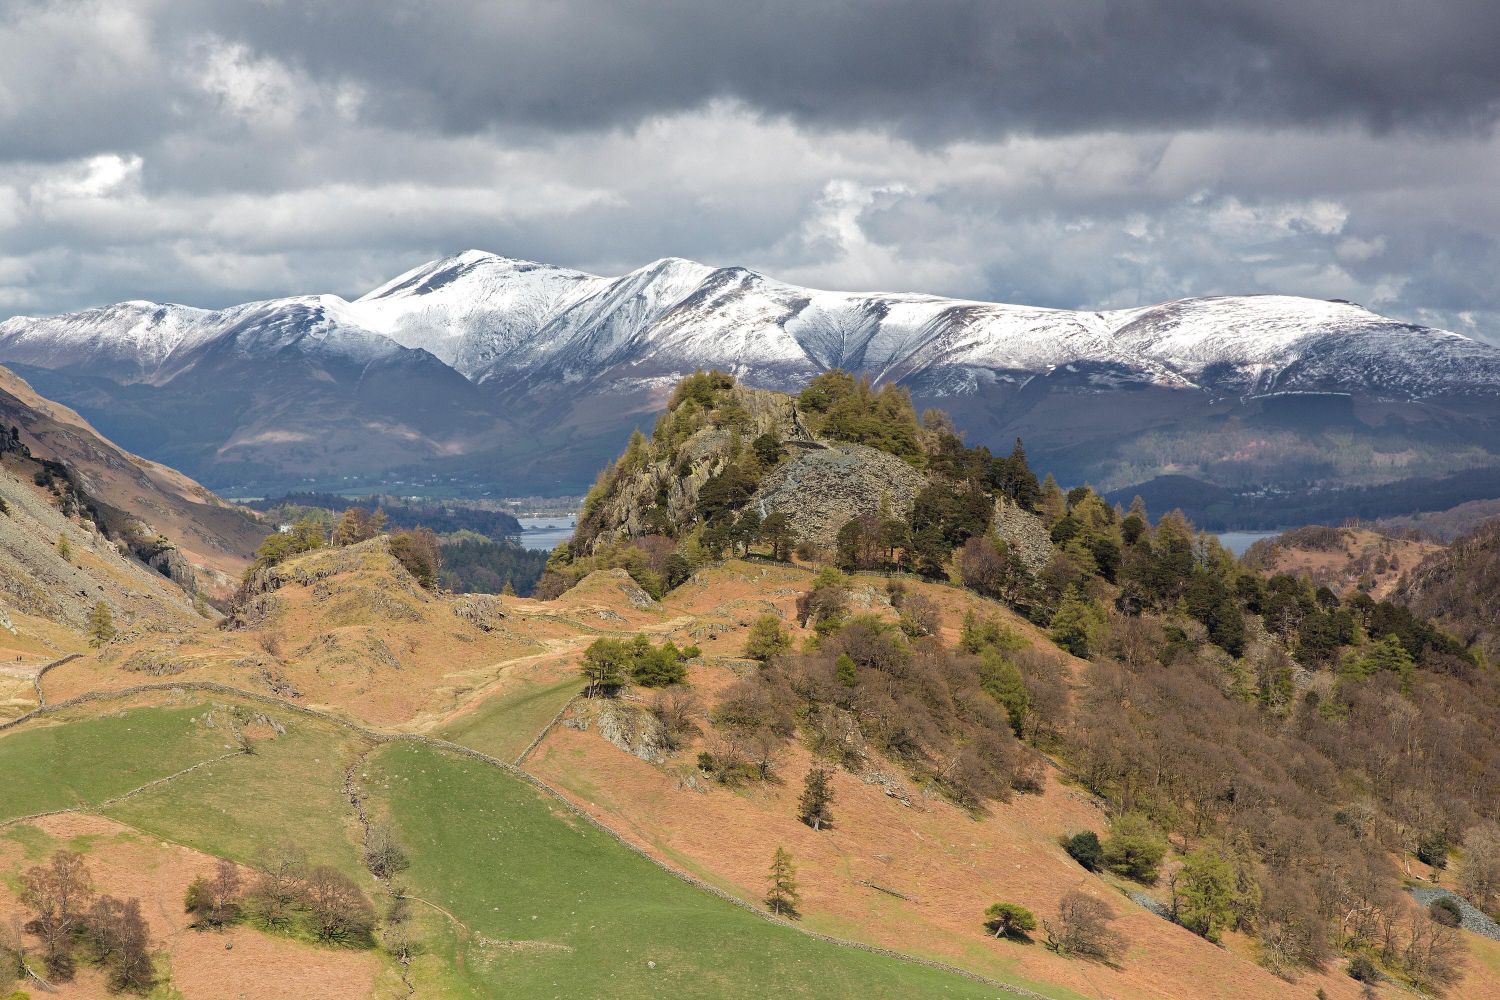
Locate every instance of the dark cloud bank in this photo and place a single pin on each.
(1071, 154)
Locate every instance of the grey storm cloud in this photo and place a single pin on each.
(1086, 153)
(935, 68)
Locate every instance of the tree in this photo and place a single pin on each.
(606, 667)
(118, 940)
(1082, 928)
(1002, 681)
(766, 639)
(419, 554)
(304, 536)
(101, 628)
(58, 893)
(1085, 849)
(279, 885)
(64, 549)
(340, 912)
(846, 670)
(768, 448)
(675, 710)
(817, 797)
(215, 902)
(658, 666)
(919, 616)
(358, 525)
(384, 855)
(776, 531)
(1009, 920)
(826, 604)
(1079, 625)
(1203, 894)
(782, 899)
(1479, 878)
(1134, 849)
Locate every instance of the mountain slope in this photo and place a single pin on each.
(482, 367)
(208, 542)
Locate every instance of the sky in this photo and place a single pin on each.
(1084, 154)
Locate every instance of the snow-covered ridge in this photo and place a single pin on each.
(513, 322)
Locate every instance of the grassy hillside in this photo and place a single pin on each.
(581, 916)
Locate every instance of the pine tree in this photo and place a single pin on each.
(1052, 503)
(101, 625)
(782, 900)
(1007, 919)
(845, 670)
(777, 532)
(817, 796)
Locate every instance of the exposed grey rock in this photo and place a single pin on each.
(1024, 532)
(821, 489)
(483, 611)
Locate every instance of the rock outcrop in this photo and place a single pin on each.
(1024, 532)
(821, 489)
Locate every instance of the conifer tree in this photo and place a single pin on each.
(782, 899)
(817, 797)
(845, 670)
(101, 625)
(1052, 503)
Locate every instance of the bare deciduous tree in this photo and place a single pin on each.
(58, 893)
(1082, 928)
(339, 910)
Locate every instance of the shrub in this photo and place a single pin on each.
(1362, 970)
(1445, 910)
(766, 639)
(1085, 849)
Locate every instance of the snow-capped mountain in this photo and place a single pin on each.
(540, 348)
(495, 318)
(492, 318)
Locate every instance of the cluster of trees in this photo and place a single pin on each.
(845, 408)
(443, 518)
(417, 549)
(1457, 588)
(1265, 744)
(73, 923)
(867, 688)
(610, 665)
(951, 514)
(474, 564)
(285, 891)
(1294, 816)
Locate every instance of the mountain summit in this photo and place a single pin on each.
(487, 367)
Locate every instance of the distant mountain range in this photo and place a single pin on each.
(523, 377)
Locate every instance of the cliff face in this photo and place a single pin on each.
(821, 488)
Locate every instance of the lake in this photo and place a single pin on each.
(547, 531)
(1238, 541)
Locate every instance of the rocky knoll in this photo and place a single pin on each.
(669, 480)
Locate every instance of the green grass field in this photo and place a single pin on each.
(58, 765)
(289, 791)
(505, 725)
(591, 917)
